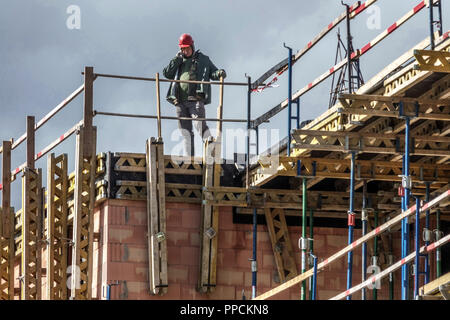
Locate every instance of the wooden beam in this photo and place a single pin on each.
(57, 227)
(206, 230)
(152, 217)
(430, 60)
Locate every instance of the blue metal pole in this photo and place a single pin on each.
(254, 257)
(427, 227)
(364, 245)
(108, 292)
(431, 26)
(405, 225)
(351, 225)
(289, 99)
(314, 281)
(254, 268)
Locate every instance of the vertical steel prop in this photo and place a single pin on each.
(364, 217)
(304, 239)
(254, 265)
(351, 224)
(417, 248)
(289, 99)
(427, 233)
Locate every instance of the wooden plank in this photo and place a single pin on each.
(90, 228)
(281, 243)
(206, 223)
(51, 208)
(152, 217)
(433, 286)
(162, 217)
(353, 246)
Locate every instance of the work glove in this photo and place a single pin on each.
(179, 55)
(222, 73)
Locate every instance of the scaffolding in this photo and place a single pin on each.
(358, 139)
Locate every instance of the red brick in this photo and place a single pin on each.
(226, 219)
(177, 238)
(173, 292)
(223, 293)
(135, 252)
(115, 252)
(116, 215)
(268, 261)
(233, 240)
(230, 277)
(190, 218)
(336, 242)
(136, 216)
(128, 234)
(193, 275)
(190, 256)
(138, 287)
(264, 279)
(125, 271)
(178, 274)
(195, 240)
(174, 255)
(336, 281)
(264, 241)
(234, 258)
(173, 218)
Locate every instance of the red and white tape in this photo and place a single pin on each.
(44, 151)
(355, 10)
(391, 269)
(361, 52)
(47, 117)
(354, 245)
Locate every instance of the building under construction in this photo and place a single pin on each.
(354, 204)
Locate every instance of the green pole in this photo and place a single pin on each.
(438, 250)
(375, 250)
(304, 206)
(311, 235)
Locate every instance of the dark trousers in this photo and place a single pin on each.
(192, 109)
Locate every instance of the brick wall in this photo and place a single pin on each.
(121, 255)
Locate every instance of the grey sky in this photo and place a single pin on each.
(42, 59)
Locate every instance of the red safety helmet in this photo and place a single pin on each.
(185, 41)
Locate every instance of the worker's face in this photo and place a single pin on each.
(187, 52)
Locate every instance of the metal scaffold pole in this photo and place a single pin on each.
(351, 223)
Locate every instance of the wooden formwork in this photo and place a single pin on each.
(84, 198)
(57, 227)
(156, 217)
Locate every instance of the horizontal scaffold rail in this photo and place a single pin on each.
(47, 117)
(103, 75)
(376, 232)
(145, 116)
(48, 148)
(380, 143)
(340, 169)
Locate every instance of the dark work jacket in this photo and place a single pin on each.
(205, 70)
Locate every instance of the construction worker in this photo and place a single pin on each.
(189, 98)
